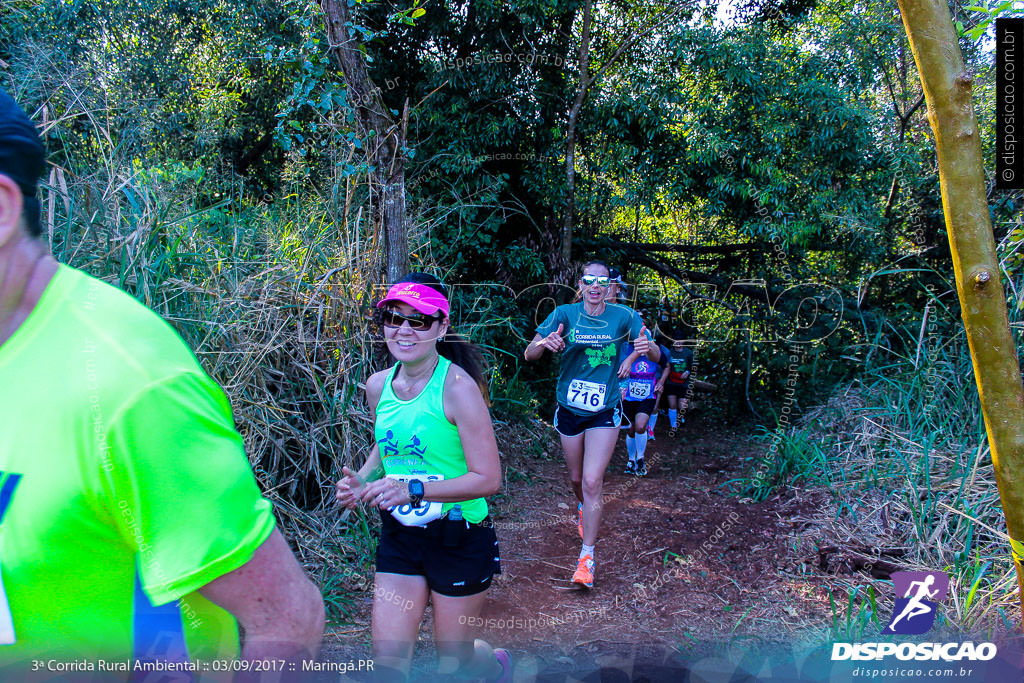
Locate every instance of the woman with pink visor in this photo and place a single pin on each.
(433, 461)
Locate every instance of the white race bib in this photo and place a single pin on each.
(426, 512)
(639, 390)
(584, 395)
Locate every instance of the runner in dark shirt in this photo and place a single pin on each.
(680, 363)
(589, 335)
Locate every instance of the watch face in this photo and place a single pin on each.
(415, 490)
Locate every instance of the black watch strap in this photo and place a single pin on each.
(415, 492)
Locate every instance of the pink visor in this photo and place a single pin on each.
(423, 298)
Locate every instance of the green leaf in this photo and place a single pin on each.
(974, 587)
(418, 12)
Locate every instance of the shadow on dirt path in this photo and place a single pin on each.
(680, 562)
(679, 559)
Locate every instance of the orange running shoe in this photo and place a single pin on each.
(579, 519)
(584, 572)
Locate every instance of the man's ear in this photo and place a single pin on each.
(10, 209)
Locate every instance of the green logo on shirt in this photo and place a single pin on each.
(601, 356)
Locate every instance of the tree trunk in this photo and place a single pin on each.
(568, 221)
(894, 190)
(383, 137)
(586, 79)
(396, 236)
(947, 89)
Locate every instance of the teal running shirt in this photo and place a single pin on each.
(588, 381)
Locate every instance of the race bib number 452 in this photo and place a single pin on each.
(585, 395)
(639, 390)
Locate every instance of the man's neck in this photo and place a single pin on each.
(26, 268)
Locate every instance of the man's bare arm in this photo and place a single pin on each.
(279, 608)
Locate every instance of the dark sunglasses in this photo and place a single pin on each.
(417, 321)
(599, 280)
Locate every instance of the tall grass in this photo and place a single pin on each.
(904, 455)
(273, 297)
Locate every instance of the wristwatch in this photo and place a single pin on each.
(415, 492)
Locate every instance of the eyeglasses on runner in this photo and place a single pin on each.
(417, 321)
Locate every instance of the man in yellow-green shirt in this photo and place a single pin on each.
(131, 526)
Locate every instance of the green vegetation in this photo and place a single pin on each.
(903, 453)
(769, 181)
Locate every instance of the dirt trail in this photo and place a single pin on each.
(678, 557)
(679, 561)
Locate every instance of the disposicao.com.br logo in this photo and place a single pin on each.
(914, 614)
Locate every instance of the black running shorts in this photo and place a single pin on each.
(677, 389)
(464, 569)
(568, 423)
(631, 408)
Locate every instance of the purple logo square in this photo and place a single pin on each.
(917, 597)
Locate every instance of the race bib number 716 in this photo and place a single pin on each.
(585, 395)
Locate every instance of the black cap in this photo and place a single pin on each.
(615, 276)
(22, 156)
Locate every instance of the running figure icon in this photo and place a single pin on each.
(915, 607)
(921, 591)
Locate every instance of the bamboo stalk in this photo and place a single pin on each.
(947, 88)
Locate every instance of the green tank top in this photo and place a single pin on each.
(415, 437)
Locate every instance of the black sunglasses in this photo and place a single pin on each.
(417, 321)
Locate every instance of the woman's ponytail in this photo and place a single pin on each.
(466, 355)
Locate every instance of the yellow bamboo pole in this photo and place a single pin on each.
(947, 89)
